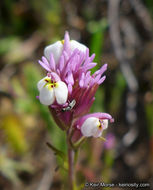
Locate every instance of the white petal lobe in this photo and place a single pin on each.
(46, 95)
(55, 49)
(89, 127)
(79, 46)
(42, 82)
(61, 92)
(105, 123)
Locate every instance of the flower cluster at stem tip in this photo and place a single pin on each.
(68, 88)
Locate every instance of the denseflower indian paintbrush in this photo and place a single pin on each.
(68, 89)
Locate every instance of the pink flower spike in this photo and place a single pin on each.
(66, 56)
(101, 70)
(52, 62)
(81, 83)
(61, 63)
(87, 79)
(66, 46)
(87, 53)
(58, 72)
(69, 88)
(68, 65)
(92, 57)
(97, 78)
(69, 79)
(45, 60)
(101, 80)
(55, 77)
(44, 65)
(89, 66)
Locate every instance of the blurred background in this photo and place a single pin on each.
(120, 33)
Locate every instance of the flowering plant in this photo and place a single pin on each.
(68, 89)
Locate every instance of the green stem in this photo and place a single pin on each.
(71, 176)
(73, 150)
(76, 156)
(79, 142)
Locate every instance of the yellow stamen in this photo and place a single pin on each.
(99, 125)
(62, 41)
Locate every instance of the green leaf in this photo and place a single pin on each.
(56, 151)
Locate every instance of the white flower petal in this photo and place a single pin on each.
(61, 92)
(105, 123)
(46, 95)
(74, 44)
(90, 127)
(55, 49)
(42, 82)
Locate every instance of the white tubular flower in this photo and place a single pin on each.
(74, 44)
(42, 82)
(61, 92)
(93, 127)
(57, 47)
(50, 90)
(47, 96)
